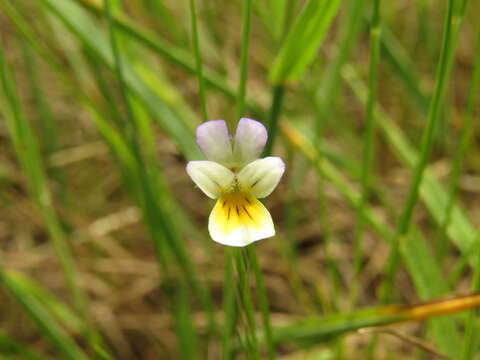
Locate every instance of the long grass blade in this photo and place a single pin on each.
(62, 341)
(369, 134)
(11, 348)
(446, 57)
(303, 40)
(198, 59)
(26, 147)
(314, 330)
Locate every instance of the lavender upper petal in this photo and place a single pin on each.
(250, 139)
(214, 141)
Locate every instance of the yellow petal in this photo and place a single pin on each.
(238, 219)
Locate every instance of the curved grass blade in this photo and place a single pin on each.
(303, 40)
(11, 348)
(460, 230)
(62, 341)
(26, 147)
(429, 283)
(446, 56)
(314, 331)
(81, 25)
(369, 132)
(174, 54)
(198, 59)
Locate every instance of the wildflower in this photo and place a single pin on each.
(236, 177)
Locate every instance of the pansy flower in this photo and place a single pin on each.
(237, 178)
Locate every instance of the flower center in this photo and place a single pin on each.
(238, 209)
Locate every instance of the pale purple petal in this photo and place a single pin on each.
(250, 139)
(214, 141)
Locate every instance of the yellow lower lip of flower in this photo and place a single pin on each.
(239, 219)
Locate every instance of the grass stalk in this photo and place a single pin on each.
(471, 326)
(274, 114)
(368, 138)
(245, 301)
(463, 148)
(263, 301)
(328, 88)
(185, 328)
(229, 308)
(46, 118)
(242, 86)
(198, 60)
(470, 342)
(249, 257)
(119, 73)
(433, 117)
(26, 147)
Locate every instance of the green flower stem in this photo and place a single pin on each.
(229, 305)
(245, 302)
(263, 301)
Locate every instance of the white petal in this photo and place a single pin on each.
(261, 176)
(250, 139)
(214, 141)
(239, 220)
(211, 177)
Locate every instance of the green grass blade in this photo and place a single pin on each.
(44, 114)
(11, 348)
(26, 147)
(62, 341)
(463, 148)
(314, 330)
(429, 281)
(198, 60)
(402, 67)
(428, 287)
(471, 342)
(81, 25)
(187, 338)
(461, 231)
(242, 86)
(273, 116)
(185, 330)
(327, 90)
(162, 230)
(446, 56)
(263, 302)
(471, 326)
(369, 132)
(245, 301)
(229, 308)
(303, 40)
(301, 138)
(172, 53)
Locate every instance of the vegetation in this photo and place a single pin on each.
(105, 251)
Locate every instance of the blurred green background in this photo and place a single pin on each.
(104, 247)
